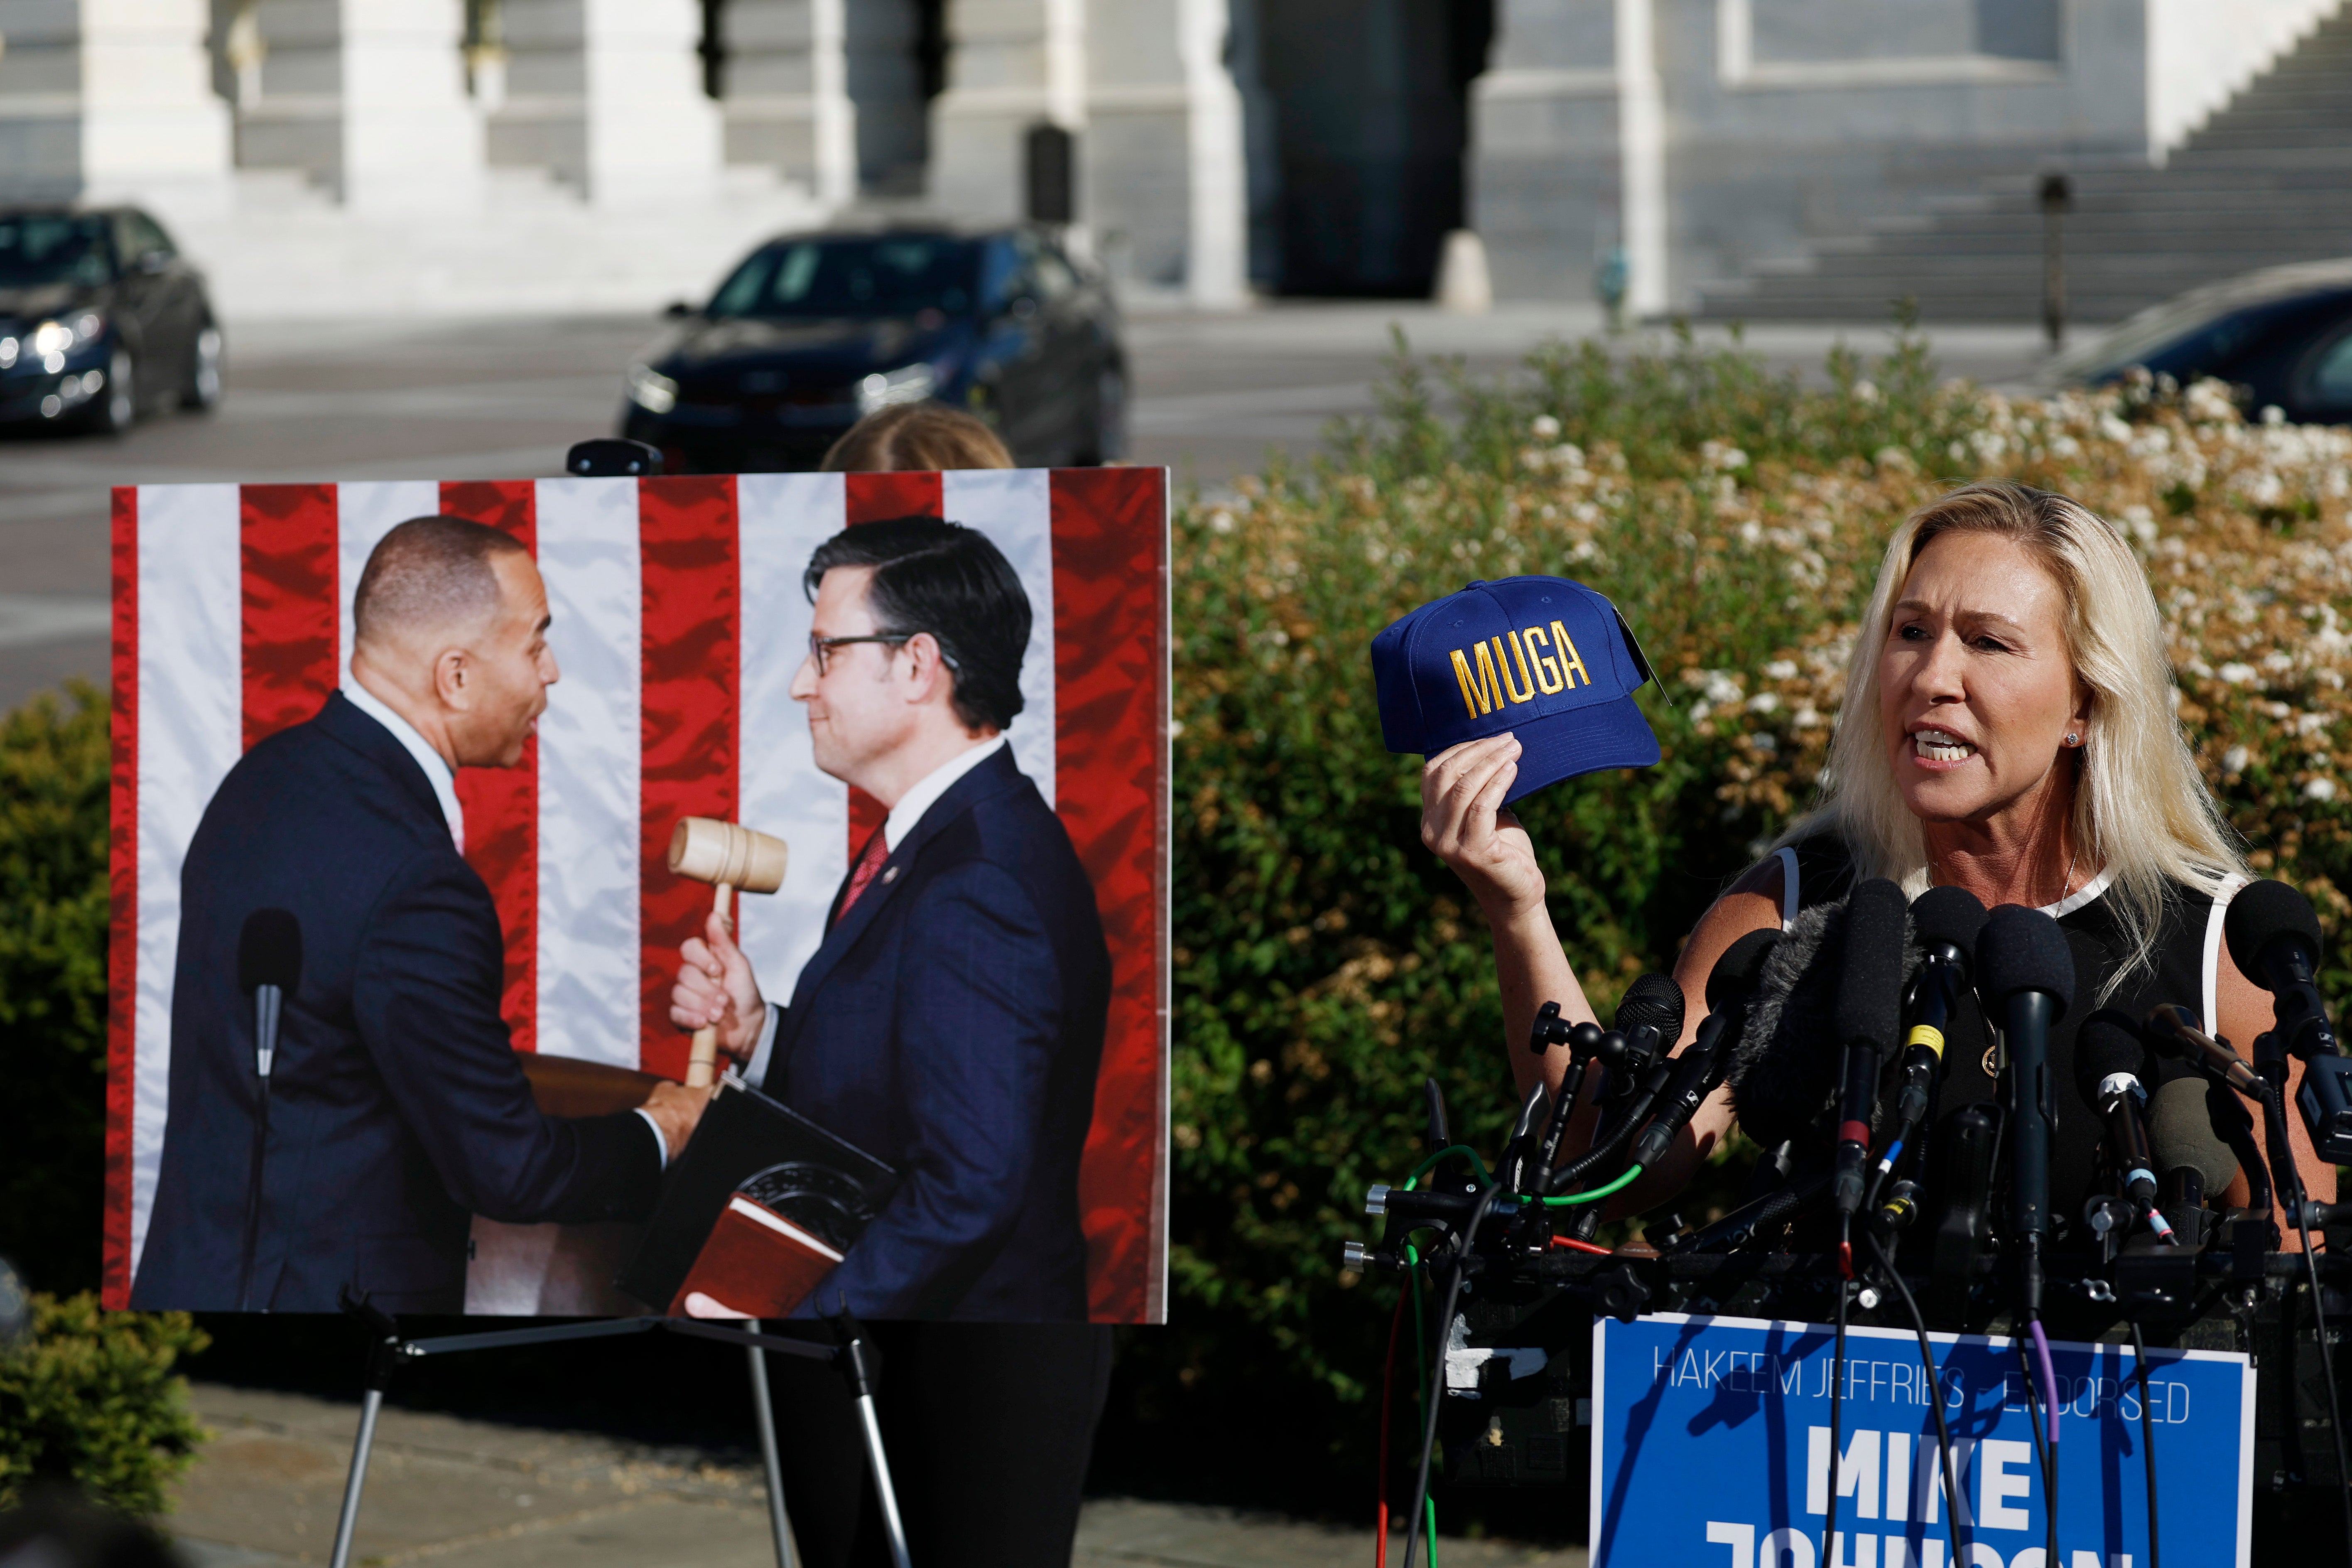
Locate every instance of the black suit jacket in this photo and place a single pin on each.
(951, 1025)
(398, 1109)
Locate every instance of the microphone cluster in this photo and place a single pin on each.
(1842, 1030)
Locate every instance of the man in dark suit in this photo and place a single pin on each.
(396, 1108)
(951, 1025)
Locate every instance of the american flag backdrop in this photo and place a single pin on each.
(679, 620)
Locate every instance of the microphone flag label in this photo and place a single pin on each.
(1711, 1449)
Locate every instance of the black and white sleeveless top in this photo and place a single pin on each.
(2183, 966)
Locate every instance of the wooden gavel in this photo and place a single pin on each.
(731, 857)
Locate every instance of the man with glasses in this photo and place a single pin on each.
(950, 1023)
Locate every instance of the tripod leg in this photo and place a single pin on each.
(348, 1523)
(766, 1415)
(883, 1490)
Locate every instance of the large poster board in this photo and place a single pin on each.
(679, 619)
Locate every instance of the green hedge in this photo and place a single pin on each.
(89, 1400)
(53, 916)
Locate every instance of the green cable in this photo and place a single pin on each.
(1420, 1361)
(1597, 1194)
(1463, 1149)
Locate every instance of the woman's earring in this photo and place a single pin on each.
(2072, 739)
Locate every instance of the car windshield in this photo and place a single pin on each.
(896, 275)
(37, 250)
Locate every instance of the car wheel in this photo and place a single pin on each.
(203, 391)
(117, 408)
(1107, 440)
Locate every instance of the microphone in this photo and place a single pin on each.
(2109, 1058)
(1869, 1015)
(2274, 936)
(1946, 921)
(2173, 1031)
(2195, 1163)
(269, 965)
(1701, 1068)
(1649, 1021)
(2027, 971)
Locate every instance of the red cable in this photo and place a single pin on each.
(1569, 1241)
(1388, 1384)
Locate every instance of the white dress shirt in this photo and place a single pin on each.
(902, 820)
(437, 771)
(444, 779)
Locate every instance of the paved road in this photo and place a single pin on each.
(502, 399)
(473, 1494)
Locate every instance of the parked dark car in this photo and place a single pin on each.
(813, 331)
(102, 320)
(2282, 337)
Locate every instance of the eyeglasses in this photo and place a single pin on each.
(821, 648)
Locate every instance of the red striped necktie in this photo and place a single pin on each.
(869, 866)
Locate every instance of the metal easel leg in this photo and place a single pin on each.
(855, 1363)
(765, 1413)
(892, 1526)
(348, 1523)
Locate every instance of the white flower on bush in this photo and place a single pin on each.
(1543, 428)
(1221, 521)
(2319, 789)
(1721, 456)
(1764, 702)
(1780, 669)
(2235, 758)
(1805, 717)
(2209, 402)
(2237, 673)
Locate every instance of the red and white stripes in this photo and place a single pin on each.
(678, 621)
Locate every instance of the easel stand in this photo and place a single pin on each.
(853, 1355)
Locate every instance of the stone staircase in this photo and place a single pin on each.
(2267, 181)
(279, 248)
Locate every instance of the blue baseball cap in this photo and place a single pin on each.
(1543, 659)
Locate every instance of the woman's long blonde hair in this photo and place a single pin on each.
(2141, 810)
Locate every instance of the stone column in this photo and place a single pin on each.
(113, 99)
(786, 95)
(1567, 151)
(1011, 64)
(607, 96)
(365, 98)
(1144, 84)
(1164, 187)
(411, 139)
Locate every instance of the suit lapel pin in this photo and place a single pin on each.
(890, 874)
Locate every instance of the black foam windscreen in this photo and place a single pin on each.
(2180, 1133)
(2023, 950)
(1653, 999)
(1951, 915)
(1736, 972)
(269, 951)
(2107, 1043)
(2261, 912)
(1870, 982)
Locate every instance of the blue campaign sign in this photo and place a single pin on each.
(1711, 1449)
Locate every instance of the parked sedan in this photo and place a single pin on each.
(2282, 337)
(813, 331)
(102, 320)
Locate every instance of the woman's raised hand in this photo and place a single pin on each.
(1464, 820)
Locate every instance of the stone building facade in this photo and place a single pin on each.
(332, 156)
